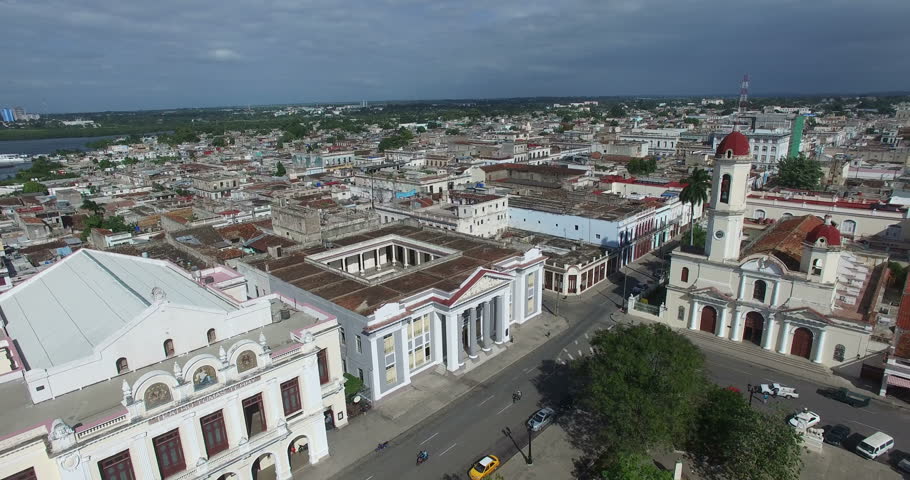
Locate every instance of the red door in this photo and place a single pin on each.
(802, 343)
(708, 320)
(752, 331)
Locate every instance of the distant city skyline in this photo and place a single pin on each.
(104, 55)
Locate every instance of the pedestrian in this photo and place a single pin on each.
(749, 387)
(765, 398)
(548, 334)
(512, 339)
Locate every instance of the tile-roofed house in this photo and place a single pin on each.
(897, 362)
(784, 240)
(383, 277)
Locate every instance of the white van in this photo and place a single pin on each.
(875, 445)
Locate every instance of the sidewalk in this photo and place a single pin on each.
(428, 393)
(556, 462)
(814, 373)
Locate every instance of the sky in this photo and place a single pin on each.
(95, 55)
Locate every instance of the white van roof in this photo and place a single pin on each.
(877, 438)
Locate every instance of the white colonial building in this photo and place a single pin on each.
(793, 289)
(127, 368)
(410, 298)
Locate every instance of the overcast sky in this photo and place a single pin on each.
(91, 55)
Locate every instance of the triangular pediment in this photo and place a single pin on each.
(478, 284)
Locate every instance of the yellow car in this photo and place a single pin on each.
(484, 467)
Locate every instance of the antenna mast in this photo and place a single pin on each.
(744, 93)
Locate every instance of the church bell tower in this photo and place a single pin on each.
(732, 164)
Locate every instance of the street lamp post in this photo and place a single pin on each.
(530, 435)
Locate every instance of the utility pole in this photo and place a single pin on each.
(530, 435)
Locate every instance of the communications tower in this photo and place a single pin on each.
(744, 93)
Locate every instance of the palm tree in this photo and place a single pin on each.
(695, 193)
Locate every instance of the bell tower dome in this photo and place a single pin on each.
(729, 186)
(821, 253)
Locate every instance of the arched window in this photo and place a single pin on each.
(122, 365)
(759, 289)
(786, 216)
(684, 276)
(817, 266)
(210, 335)
(681, 313)
(169, 348)
(725, 189)
(759, 214)
(840, 352)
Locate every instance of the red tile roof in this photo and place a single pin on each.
(785, 239)
(903, 314)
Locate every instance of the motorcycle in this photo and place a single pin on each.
(382, 445)
(422, 457)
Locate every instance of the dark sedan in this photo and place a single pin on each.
(837, 434)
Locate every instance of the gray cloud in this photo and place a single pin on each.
(78, 55)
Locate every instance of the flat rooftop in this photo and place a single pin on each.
(599, 206)
(364, 298)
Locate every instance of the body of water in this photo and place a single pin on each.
(48, 145)
(7, 172)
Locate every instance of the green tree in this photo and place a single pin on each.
(642, 166)
(93, 207)
(219, 142)
(130, 161)
(692, 121)
(617, 111)
(695, 193)
(432, 125)
(799, 172)
(634, 467)
(697, 238)
(280, 170)
(421, 129)
(453, 131)
(114, 224)
(33, 187)
(638, 387)
(105, 164)
(742, 443)
(726, 111)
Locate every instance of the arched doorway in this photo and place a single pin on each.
(228, 476)
(802, 343)
(264, 467)
(708, 320)
(299, 452)
(752, 330)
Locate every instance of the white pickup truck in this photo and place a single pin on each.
(777, 390)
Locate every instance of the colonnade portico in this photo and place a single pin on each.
(475, 327)
(776, 335)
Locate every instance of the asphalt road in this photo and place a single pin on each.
(472, 426)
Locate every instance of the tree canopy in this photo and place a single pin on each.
(280, 170)
(33, 187)
(399, 139)
(739, 442)
(114, 224)
(93, 207)
(642, 166)
(695, 193)
(634, 467)
(639, 386)
(799, 172)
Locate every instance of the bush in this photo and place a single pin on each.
(352, 386)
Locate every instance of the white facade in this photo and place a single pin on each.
(471, 214)
(660, 141)
(187, 391)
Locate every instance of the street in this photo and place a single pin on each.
(471, 427)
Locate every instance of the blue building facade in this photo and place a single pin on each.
(8, 115)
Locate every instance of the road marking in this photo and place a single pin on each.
(368, 478)
(576, 342)
(433, 435)
(446, 450)
(570, 356)
(504, 409)
(586, 335)
(486, 400)
(580, 354)
(591, 349)
(864, 424)
(528, 369)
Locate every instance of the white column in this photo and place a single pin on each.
(742, 287)
(768, 332)
(344, 264)
(722, 323)
(376, 257)
(282, 465)
(233, 422)
(404, 356)
(818, 353)
(472, 331)
(883, 389)
(310, 389)
(501, 319)
(418, 255)
(436, 326)
(737, 334)
(406, 256)
(775, 294)
(485, 327)
(190, 434)
(693, 315)
(141, 456)
(453, 338)
(362, 266)
(273, 400)
(784, 337)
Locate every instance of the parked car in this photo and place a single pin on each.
(778, 390)
(875, 445)
(810, 419)
(904, 465)
(846, 396)
(541, 418)
(484, 467)
(837, 434)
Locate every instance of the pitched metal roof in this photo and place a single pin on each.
(63, 313)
